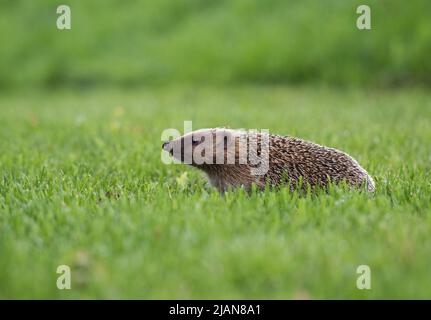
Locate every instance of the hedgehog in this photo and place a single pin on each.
(237, 158)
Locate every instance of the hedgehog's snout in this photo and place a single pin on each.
(166, 147)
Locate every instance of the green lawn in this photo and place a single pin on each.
(82, 184)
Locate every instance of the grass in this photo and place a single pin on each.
(82, 184)
(128, 43)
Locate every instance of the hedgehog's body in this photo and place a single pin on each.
(292, 162)
(316, 164)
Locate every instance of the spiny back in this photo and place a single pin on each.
(293, 158)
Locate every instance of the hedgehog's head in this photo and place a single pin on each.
(204, 147)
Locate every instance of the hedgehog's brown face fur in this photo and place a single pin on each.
(224, 154)
(204, 147)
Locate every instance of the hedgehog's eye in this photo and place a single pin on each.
(196, 141)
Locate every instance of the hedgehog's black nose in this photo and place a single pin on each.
(164, 144)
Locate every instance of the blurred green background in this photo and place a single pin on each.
(134, 43)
